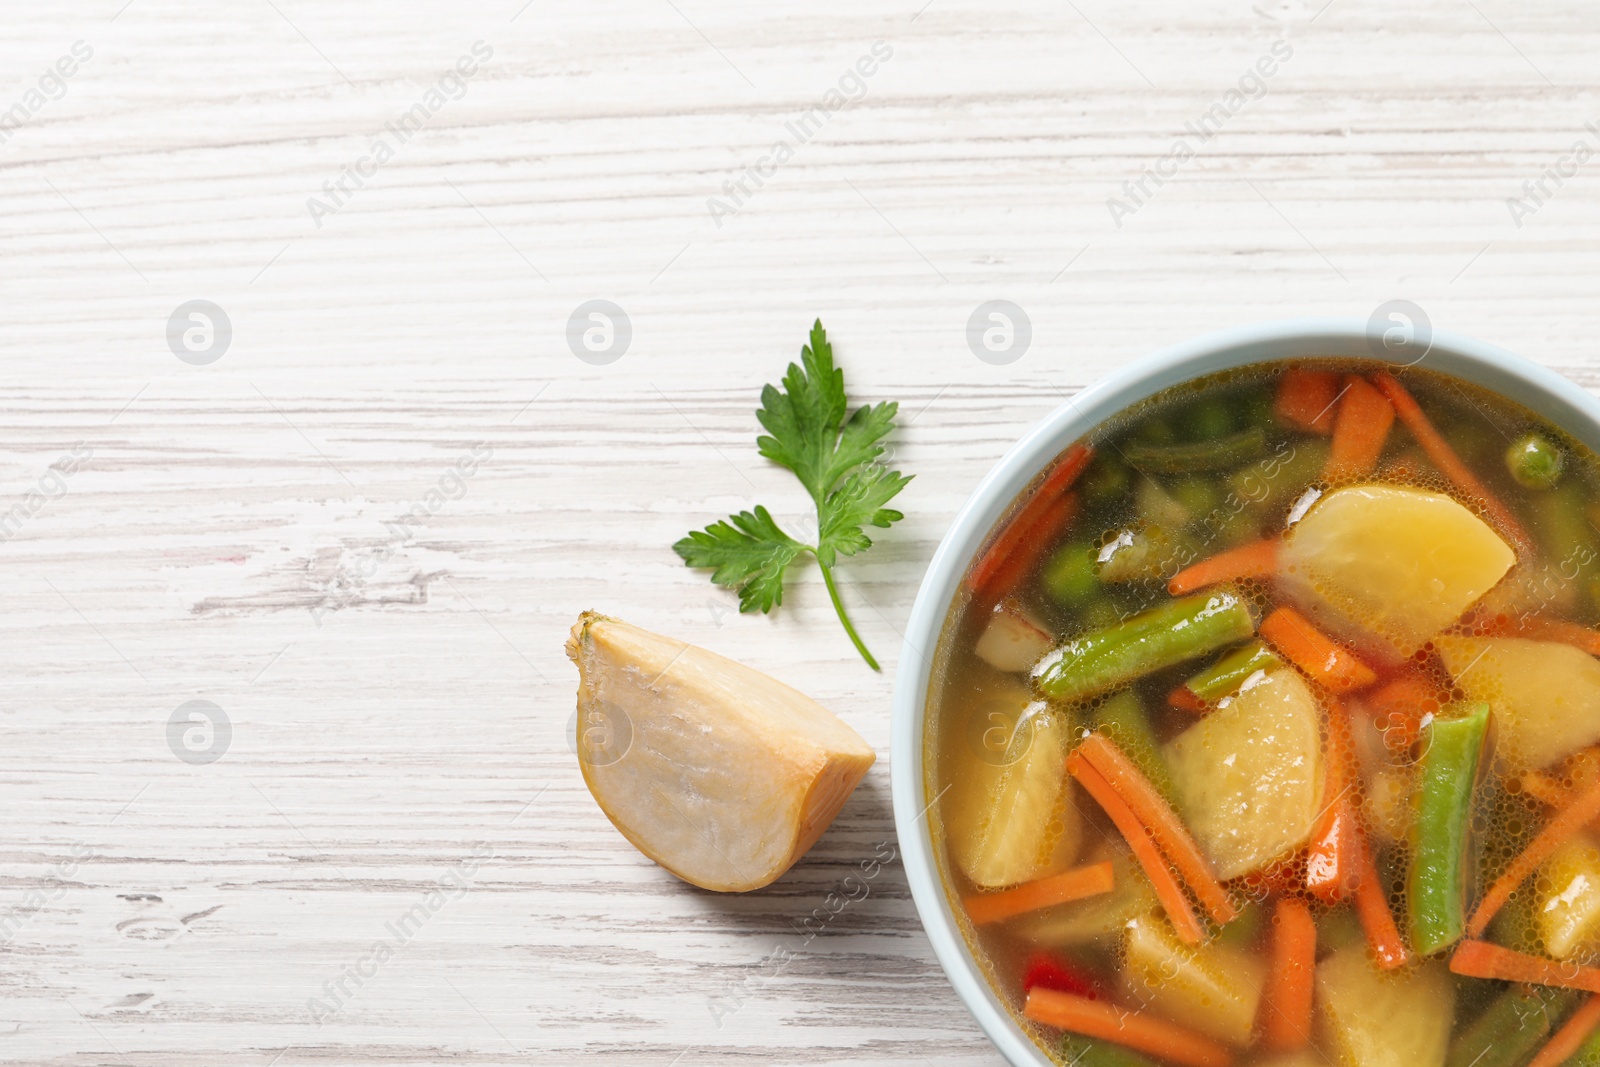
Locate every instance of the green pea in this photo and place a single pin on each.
(1107, 478)
(1200, 496)
(1254, 406)
(1069, 576)
(1208, 419)
(1535, 462)
(1155, 431)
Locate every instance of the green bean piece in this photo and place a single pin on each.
(1142, 554)
(1244, 931)
(1102, 660)
(1106, 479)
(1274, 480)
(1231, 530)
(1254, 405)
(1219, 452)
(1339, 929)
(1209, 419)
(1199, 496)
(1561, 523)
(1437, 882)
(1068, 576)
(1083, 1051)
(1224, 677)
(1514, 926)
(1122, 718)
(1155, 430)
(1153, 504)
(1535, 462)
(1588, 1054)
(1506, 1032)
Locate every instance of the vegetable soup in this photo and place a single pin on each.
(1266, 731)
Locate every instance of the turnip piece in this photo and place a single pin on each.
(1013, 641)
(1249, 776)
(1212, 988)
(1545, 694)
(1010, 817)
(1389, 566)
(1567, 911)
(1378, 1019)
(719, 773)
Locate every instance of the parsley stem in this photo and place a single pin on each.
(838, 606)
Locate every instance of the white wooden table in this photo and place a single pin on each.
(397, 695)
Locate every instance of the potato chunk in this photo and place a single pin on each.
(1104, 915)
(1567, 910)
(1249, 776)
(1010, 816)
(1389, 566)
(1213, 989)
(722, 775)
(1545, 695)
(1399, 1019)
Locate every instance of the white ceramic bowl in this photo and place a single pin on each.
(1542, 391)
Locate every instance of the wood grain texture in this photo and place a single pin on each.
(400, 700)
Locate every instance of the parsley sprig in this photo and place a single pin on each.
(835, 458)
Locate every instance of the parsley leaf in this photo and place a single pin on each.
(749, 553)
(835, 458)
(856, 503)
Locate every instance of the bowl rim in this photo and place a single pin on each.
(1534, 386)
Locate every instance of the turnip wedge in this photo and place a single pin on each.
(1249, 776)
(720, 774)
(1545, 694)
(1387, 567)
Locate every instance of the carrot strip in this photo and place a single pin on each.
(1142, 1033)
(1582, 768)
(1401, 705)
(1360, 430)
(1286, 1003)
(1479, 959)
(1545, 789)
(1026, 553)
(1031, 896)
(1333, 665)
(1372, 908)
(1572, 1034)
(1258, 559)
(1543, 629)
(1184, 699)
(1577, 773)
(1163, 824)
(1331, 862)
(1444, 457)
(1165, 883)
(1284, 878)
(1333, 867)
(1018, 536)
(1305, 399)
(1583, 810)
